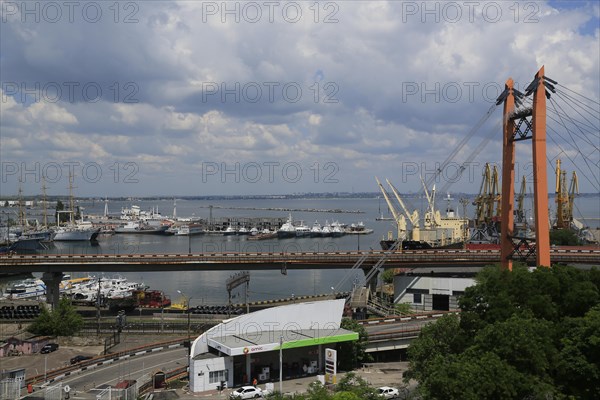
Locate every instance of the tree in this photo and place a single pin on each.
(521, 334)
(62, 321)
(351, 354)
(564, 237)
(388, 276)
(352, 387)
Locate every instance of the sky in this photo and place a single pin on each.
(184, 98)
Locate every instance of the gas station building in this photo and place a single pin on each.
(247, 347)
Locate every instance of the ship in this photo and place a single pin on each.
(188, 229)
(437, 231)
(134, 227)
(76, 232)
(287, 230)
(79, 231)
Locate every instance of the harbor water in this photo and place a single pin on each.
(209, 287)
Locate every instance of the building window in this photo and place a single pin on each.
(218, 376)
(417, 298)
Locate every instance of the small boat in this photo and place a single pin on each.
(26, 289)
(288, 229)
(243, 231)
(263, 235)
(141, 228)
(316, 230)
(189, 229)
(230, 231)
(302, 230)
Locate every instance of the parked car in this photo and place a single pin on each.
(79, 358)
(387, 392)
(246, 392)
(49, 348)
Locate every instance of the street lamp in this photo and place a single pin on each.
(281, 364)
(188, 300)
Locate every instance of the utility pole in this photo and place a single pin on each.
(98, 309)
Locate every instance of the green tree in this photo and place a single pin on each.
(388, 276)
(564, 237)
(352, 354)
(521, 334)
(62, 321)
(351, 385)
(402, 308)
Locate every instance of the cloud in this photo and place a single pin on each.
(368, 85)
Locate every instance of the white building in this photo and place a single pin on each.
(434, 288)
(247, 347)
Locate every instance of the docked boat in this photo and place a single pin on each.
(358, 229)
(80, 232)
(302, 230)
(243, 231)
(25, 289)
(316, 230)
(230, 231)
(287, 230)
(135, 227)
(263, 235)
(188, 229)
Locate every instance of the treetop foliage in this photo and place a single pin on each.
(520, 334)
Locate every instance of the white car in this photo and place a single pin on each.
(247, 392)
(387, 392)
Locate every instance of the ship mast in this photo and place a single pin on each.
(44, 202)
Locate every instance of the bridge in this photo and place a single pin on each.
(272, 261)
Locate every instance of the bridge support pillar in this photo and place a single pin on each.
(52, 282)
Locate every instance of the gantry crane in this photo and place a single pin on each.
(520, 211)
(564, 197)
(487, 203)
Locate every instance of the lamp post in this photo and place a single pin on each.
(281, 364)
(188, 300)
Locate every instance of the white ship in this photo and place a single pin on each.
(189, 229)
(25, 289)
(82, 231)
(288, 229)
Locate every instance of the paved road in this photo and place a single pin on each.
(129, 368)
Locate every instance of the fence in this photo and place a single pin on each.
(53, 392)
(146, 327)
(111, 341)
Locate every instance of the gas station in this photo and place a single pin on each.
(281, 342)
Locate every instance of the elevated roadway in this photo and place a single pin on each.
(270, 261)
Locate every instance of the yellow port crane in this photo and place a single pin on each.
(564, 197)
(398, 218)
(520, 211)
(487, 202)
(413, 218)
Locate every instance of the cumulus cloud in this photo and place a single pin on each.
(369, 85)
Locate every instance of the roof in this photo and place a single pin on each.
(259, 342)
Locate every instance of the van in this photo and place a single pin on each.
(49, 348)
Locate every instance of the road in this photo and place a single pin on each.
(128, 368)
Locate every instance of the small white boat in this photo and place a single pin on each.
(229, 231)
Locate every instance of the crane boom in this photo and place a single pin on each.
(414, 217)
(398, 218)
